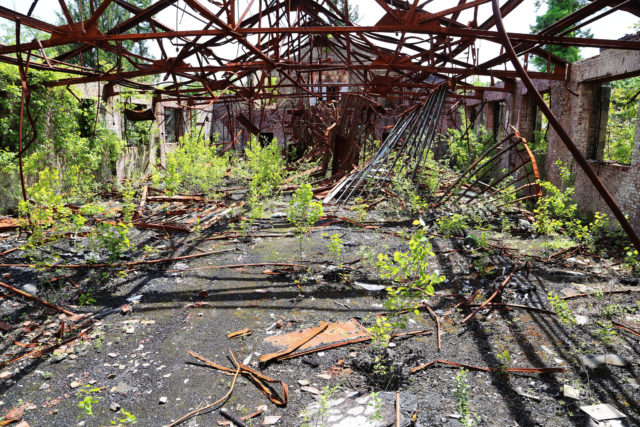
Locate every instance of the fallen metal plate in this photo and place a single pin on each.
(333, 336)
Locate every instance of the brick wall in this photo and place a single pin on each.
(572, 103)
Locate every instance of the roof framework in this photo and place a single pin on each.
(411, 50)
(406, 52)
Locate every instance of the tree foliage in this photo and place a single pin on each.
(623, 120)
(556, 10)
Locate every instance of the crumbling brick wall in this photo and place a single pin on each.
(572, 103)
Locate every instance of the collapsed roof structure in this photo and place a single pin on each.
(281, 53)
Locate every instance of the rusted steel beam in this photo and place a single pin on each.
(37, 24)
(238, 35)
(562, 133)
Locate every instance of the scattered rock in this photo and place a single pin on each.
(130, 330)
(30, 289)
(162, 400)
(357, 409)
(113, 355)
(372, 287)
(75, 384)
(270, 420)
(571, 392)
(523, 393)
(5, 375)
(603, 412)
(629, 281)
(278, 215)
(180, 266)
(311, 390)
(582, 320)
(114, 407)
(593, 361)
(122, 388)
(303, 382)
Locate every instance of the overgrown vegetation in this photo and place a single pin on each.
(194, 166)
(264, 168)
(622, 120)
(69, 138)
(303, 212)
(467, 143)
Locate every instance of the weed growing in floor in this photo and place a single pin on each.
(632, 259)
(505, 224)
(125, 417)
(411, 272)
(323, 409)
(376, 402)
(612, 310)
(303, 212)
(88, 399)
(505, 359)
(381, 332)
(556, 245)
(360, 209)
(606, 331)
(454, 225)
(86, 298)
(463, 402)
(335, 248)
(560, 306)
(128, 206)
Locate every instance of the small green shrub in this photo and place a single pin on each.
(454, 225)
(360, 209)
(632, 259)
(411, 271)
(125, 417)
(193, 166)
(335, 247)
(113, 238)
(44, 208)
(465, 148)
(505, 359)
(303, 212)
(88, 399)
(553, 209)
(560, 306)
(463, 402)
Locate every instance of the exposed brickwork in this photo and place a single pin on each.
(572, 103)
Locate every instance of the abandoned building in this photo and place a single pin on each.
(320, 212)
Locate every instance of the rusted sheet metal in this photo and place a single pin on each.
(292, 341)
(324, 337)
(9, 224)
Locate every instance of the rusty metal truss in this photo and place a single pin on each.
(283, 48)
